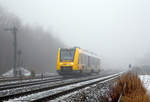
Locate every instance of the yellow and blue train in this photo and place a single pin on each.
(75, 61)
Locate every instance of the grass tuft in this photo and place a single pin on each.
(131, 88)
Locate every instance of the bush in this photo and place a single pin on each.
(131, 88)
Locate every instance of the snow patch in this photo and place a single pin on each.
(146, 81)
(23, 71)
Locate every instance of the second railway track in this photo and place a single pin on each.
(12, 79)
(28, 83)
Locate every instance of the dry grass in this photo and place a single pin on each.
(131, 88)
(129, 85)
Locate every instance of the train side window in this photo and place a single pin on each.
(89, 61)
(84, 59)
(79, 60)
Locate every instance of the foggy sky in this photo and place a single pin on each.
(118, 30)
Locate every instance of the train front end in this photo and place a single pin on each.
(67, 61)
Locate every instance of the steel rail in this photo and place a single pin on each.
(66, 83)
(42, 87)
(7, 94)
(8, 79)
(28, 83)
(73, 88)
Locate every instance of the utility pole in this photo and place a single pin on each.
(14, 32)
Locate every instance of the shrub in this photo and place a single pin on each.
(131, 88)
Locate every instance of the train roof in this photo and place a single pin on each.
(85, 52)
(89, 53)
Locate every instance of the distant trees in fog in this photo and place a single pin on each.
(38, 47)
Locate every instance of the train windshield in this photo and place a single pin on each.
(67, 54)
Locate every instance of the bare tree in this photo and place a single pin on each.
(39, 48)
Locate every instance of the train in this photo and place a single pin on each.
(77, 61)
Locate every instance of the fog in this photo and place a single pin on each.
(37, 47)
(117, 30)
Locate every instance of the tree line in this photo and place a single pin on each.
(38, 48)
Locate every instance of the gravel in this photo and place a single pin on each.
(95, 93)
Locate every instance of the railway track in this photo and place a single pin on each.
(29, 82)
(19, 89)
(12, 79)
(57, 89)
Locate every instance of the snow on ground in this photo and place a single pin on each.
(60, 89)
(47, 74)
(146, 81)
(53, 91)
(94, 93)
(10, 73)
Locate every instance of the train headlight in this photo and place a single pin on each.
(71, 63)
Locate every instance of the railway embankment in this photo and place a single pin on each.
(129, 87)
(95, 93)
